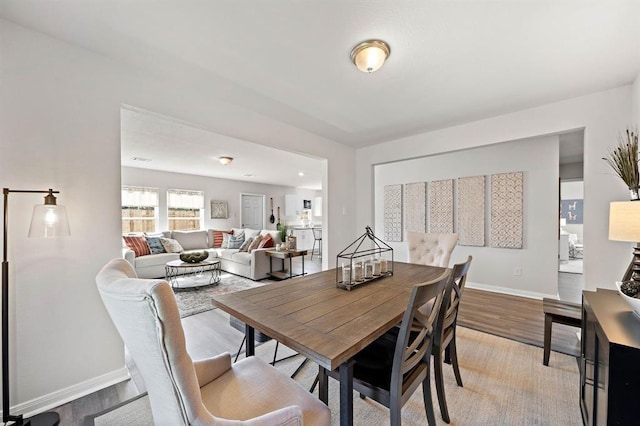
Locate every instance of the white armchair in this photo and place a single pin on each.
(206, 392)
(431, 249)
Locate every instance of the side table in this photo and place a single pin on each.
(283, 274)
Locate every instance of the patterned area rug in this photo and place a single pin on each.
(194, 300)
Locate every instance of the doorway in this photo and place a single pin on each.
(252, 211)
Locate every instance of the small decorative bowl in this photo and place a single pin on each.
(632, 301)
(193, 256)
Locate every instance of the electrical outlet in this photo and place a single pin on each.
(517, 271)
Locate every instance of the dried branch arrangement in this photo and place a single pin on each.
(623, 159)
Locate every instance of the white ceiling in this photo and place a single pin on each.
(153, 141)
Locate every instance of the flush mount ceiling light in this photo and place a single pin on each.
(370, 55)
(225, 160)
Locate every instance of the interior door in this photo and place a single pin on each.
(252, 211)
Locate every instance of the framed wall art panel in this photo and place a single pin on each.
(471, 211)
(415, 195)
(219, 209)
(441, 206)
(393, 212)
(507, 201)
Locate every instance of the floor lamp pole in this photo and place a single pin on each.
(48, 418)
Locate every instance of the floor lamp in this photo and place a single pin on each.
(48, 220)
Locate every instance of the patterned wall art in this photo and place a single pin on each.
(415, 196)
(471, 212)
(506, 210)
(441, 206)
(572, 211)
(393, 212)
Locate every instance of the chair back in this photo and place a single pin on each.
(317, 233)
(146, 315)
(451, 301)
(415, 338)
(431, 249)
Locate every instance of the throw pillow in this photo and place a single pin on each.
(246, 244)
(155, 245)
(225, 240)
(254, 245)
(171, 245)
(138, 244)
(267, 242)
(238, 232)
(235, 242)
(215, 238)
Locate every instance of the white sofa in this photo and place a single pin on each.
(254, 265)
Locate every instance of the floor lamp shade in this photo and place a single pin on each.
(48, 220)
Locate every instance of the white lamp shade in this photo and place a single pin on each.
(624, 221)
(49, 221)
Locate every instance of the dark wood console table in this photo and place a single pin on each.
(283, 274)
(610, 360)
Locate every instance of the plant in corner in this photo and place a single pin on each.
(623, 159)
(282, 229)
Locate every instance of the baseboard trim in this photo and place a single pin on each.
(71, 393)
(510, 291)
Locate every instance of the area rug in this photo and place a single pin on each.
(194, 300)
(505, 383)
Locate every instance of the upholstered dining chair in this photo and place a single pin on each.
(444, 342)
(431, 249)
(391, 368)
(206, 392)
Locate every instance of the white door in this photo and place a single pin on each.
(252, 211)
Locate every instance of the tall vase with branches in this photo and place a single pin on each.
(623, 159)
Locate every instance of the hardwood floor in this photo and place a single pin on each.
(209, 333)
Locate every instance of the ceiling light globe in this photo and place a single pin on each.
(370, 55)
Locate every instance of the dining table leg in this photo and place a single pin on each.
(346, 393)
(250, 341)
(323, 385)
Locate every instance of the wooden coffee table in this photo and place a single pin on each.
(283, 274)
(181, 274)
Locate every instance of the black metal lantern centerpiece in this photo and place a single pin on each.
(366, 259)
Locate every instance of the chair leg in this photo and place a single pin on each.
(244, 339)
(313, 248)
(428, 400)
(442, 401)
(454, 360)
(315, 383)
(275, 354)
(395, 415)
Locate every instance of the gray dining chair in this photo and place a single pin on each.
(444, 342)
(204, 392)
(391, 368)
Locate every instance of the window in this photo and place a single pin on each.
(185, 209)
(139, 209)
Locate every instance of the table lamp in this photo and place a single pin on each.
(624, 225)
(48, 220)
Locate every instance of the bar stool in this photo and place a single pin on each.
(317, 236)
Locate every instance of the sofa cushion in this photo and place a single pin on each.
(227, 253)
(163, 234)
(248, 232)
(235, 242)
(245, 246)
(215, 238)
(155, 260)
(238, 232)
(266, 242)
(171, 246)
(241, 257)
(191, 240)
(274, 234)
(255, 243)
(138, 244)
(155, 245)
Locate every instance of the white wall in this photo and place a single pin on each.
(215, 189)
(493, 267)
(601, 114)
(60, 128)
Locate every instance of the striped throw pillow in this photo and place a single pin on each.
(138, 244)
(216, 237)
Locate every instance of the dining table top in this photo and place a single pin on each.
(327, 324)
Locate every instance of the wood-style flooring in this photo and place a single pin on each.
(209, 333)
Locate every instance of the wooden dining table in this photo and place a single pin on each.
(326, 324)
